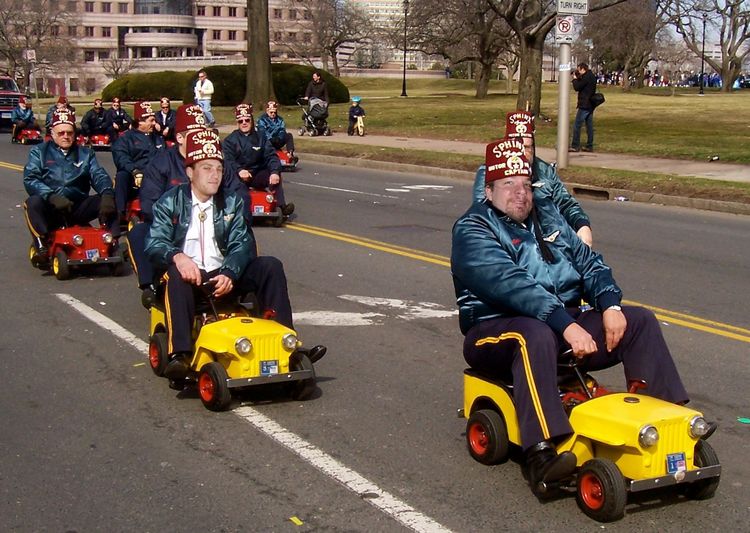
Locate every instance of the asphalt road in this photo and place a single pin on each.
(90, 440)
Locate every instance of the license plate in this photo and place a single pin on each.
(5, 115)
(258, 209)
(268, 368)
(92, 255)
(676, 463)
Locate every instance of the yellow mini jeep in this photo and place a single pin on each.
(232, 350)
(624, 442)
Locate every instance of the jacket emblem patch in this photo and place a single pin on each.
(516, 242)
(256, 148)
(552, 236)
(228, 217)
(78, 164)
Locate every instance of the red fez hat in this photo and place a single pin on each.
(519, 124)
(142, 110)
(243, 111)
(63, 116)
(201, 145)
(505, 159)
(62, 100)
(189, 117)
(115, 100)
(22, 99)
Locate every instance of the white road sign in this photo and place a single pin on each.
(564, 29)
(572, 7)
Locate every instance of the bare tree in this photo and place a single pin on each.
(117, 67)
(461, 31)
(259, 86)
(323, 28)
(532, 20)
(624, 37)
(38, 25)
(729, 20)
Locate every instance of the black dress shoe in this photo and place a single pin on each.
(178, 367)
(316, 353)
(711, 428)
(587, 149)
(148, 296)
(287, 210)
(546, 466)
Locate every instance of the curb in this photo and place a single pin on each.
(577, 189)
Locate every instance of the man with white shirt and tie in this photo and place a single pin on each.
(199, 235)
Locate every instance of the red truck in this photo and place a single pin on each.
(9, 95)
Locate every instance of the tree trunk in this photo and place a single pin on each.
(259, 81)
(335, 63)
(530, 78)
(482, 83)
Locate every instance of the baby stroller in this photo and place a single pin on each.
(314, 115)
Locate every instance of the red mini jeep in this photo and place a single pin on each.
(80, 246)
(264, 207)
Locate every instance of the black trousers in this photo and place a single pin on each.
(283, 139)
(524, 351)
(42, 217)
(125, 189)
(264, 276)
(137, 249)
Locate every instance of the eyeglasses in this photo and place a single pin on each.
(243, 120)
(65, 133)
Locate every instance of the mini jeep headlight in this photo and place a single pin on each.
(648, 436)
(243, 345)
(698, 427)
(269, 198)
(77, 239)
(107, 238)
(289, 341)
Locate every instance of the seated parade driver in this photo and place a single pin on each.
(199, 235)
(519, 272)
(58, 177)
(22, 117)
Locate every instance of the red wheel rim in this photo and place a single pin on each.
(153, 355)
(478, 438)
(591, 491)
(206, 387)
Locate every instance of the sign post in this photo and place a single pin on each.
(564, 31)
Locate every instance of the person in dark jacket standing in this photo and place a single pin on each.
(317, 88)
(199, 235)
(250, 161)
(132, 152)
(519, 273)
(584, 82)
(166, 170)
(58, 177)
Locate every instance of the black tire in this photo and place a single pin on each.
(278, 221)
(212, 387)
(302, 389)
(705, 488)
(313, 132)
(487, 437)
(60, 266)
(600, 490)
(158, 353)
(118, 269)
(327, 132)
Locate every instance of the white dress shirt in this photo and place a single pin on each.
(200, 241)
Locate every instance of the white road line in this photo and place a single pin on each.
(344, 190)
(104, 322)
(367, 490)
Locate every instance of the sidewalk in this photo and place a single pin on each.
(702, 169)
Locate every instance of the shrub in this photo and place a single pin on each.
(289, 82)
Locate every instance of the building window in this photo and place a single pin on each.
(307, 14)
(90, 85)
(200, 11)
(232, 35)
(88, 7)
(292, 14)
(55, 30)
(88, 31)
(292, 36)
(277, 36)
(217, 11)
(232, 11)
(88, 56)
(106, 31)
(122, 8)
(104, 54)
(277, 14)
(74, 85)
(72, 31)
(106, 7)
(217, 35)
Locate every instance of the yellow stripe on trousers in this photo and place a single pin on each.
(529, 374)
(168, 313)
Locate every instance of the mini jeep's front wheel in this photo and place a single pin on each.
(487, 437)
(158, 356)
(600, 490)
(704, 488)
(212, 387)
(304, 388)
(60, 266)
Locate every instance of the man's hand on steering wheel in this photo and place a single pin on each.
(245, 175)
(580, 340)
(274, 179)
(222, 285)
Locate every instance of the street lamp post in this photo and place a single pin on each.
(703, 52)
(406, 12)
